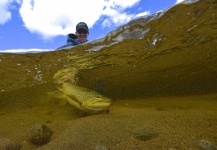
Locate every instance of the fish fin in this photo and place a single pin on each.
(74, 98)
(62, 102)
(74, 102)
(56, 94)
(59, 95)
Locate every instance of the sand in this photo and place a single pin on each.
(180, 122)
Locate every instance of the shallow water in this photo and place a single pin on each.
(180, 119)
(181, 122)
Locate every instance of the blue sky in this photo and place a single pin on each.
(44, 24)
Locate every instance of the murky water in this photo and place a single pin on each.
(181, 121)
(181, 118)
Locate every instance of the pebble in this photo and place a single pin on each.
(39, 134)
(101, 147)
(7, 144)
(146, 134)
(206, 145)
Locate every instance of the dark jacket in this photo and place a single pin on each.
(72, 40)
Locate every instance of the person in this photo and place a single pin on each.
(79, 37)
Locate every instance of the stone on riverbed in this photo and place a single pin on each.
(206, 145)
(39, 134)
(6, 144)
(101, 147)
(146, 134)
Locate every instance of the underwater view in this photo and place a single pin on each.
(149, 84)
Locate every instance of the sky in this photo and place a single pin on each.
(44, 24)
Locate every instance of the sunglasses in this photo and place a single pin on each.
(80, 31)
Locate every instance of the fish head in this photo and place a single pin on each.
(97, 104)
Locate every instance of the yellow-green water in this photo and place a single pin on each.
(169, 101)
(180, 120)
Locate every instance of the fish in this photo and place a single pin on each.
(84, 99)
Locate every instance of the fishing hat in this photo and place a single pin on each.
(82, 25)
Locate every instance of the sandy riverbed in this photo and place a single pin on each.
(180, 122)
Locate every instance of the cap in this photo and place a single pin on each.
(82, 25)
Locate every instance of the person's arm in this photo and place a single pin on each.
(71, 41)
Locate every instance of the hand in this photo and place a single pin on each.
(69, 79)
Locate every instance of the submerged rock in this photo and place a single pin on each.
(39, 134)
(146, 134)
(101, 147)
(206, 145)
(6, 144)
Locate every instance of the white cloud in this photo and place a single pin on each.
(5, 7)
(142, 14)
(117, 19)
(23, 51)
(5, 14)
(114, 10)
(179, 1)
(50, 18)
